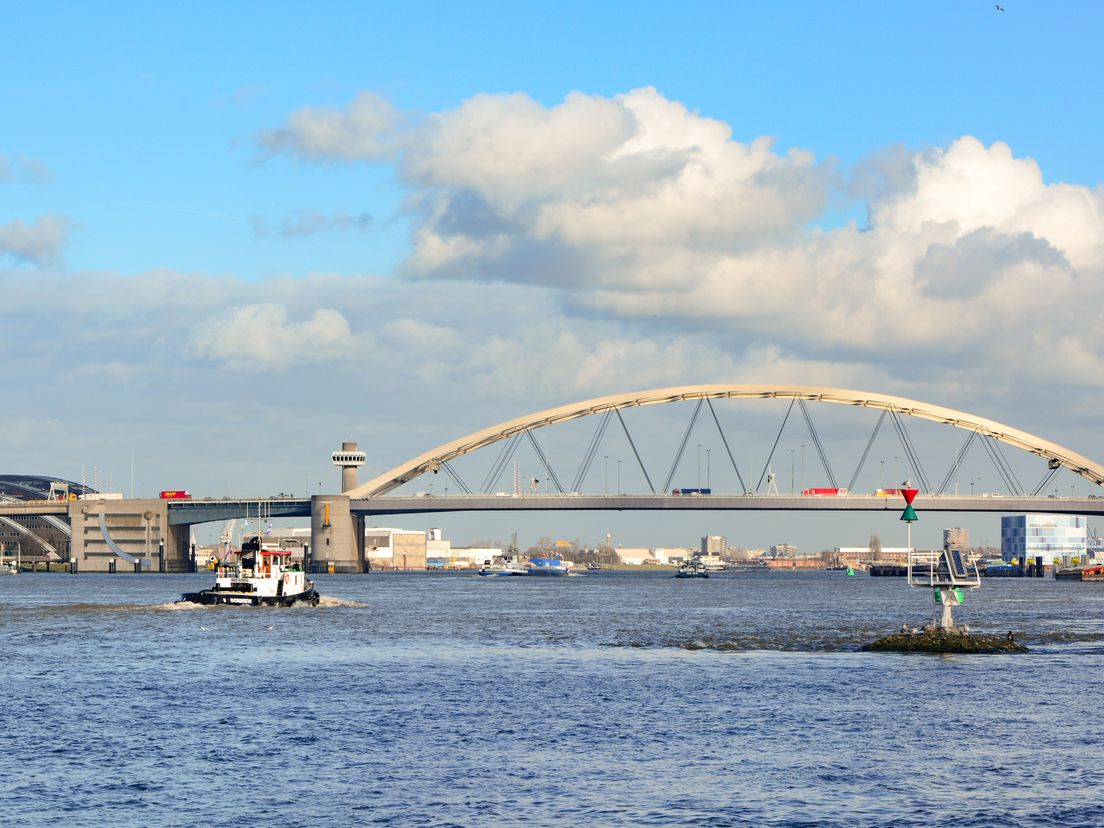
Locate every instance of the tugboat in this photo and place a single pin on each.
(692, 569)
(503, 565)
(261, 577)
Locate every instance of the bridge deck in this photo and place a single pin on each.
(207, 511)
(857, 503)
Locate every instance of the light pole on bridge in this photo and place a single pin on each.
(792, 470)
(605, 481)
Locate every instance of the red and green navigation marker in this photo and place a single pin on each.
(909, 515)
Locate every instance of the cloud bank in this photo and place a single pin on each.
(639, 210)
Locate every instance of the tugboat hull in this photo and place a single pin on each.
(211, 597)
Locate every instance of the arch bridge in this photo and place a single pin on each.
(378, 496)
(990, 433)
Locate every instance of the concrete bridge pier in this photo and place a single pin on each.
(337, 535)
(110, 535)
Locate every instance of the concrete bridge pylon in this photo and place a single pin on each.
(337, 535)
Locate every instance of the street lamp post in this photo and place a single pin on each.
(619, 477)
(699, 465)
(707, 470)
(605, 484)
(791, 470)
(803, 467)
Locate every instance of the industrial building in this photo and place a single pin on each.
(858, 554)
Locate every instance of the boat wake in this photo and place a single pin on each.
(331, 601)
(174, 606)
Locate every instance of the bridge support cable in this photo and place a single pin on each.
(817, 444)
(996, 463)
(1007, 465)
(456, 478)
(735, 468)
(957, 462)
(776, 439)
(910, 452)
(866, 452)
(1052, 469)
(509, 446)
(544, 461)
(592, 450)
(637, 453)
(1003, 468)
(682, 446)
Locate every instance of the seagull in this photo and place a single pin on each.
(270, 626)
(999, 7)
(205, 629)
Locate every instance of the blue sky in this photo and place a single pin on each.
(139, 175)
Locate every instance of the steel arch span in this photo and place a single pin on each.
(431, 460)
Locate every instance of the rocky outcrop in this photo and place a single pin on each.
(936, 640)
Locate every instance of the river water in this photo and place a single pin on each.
(603, 699)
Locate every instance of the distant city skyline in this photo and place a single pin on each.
(233, 237)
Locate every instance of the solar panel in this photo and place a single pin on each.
(956, 564)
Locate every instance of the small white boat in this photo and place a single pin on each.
(260, 577)
(9, 568)
(503, 566)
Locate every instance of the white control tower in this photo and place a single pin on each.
(348, 459)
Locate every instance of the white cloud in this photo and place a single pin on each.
(38, 243)
(365, 130)
(972, 186)
(261, 336)
(604, 191)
